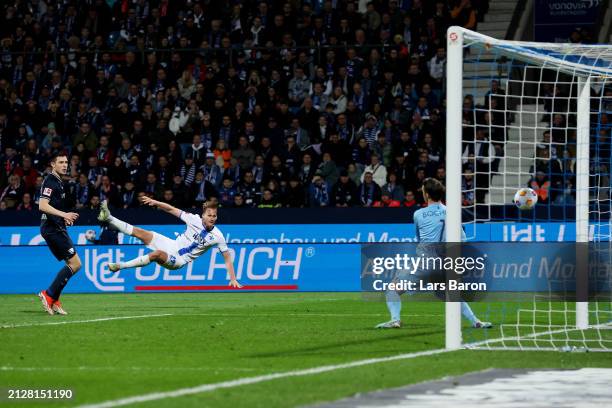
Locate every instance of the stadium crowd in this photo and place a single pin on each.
(257, 103)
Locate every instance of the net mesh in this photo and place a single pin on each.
(520, 128)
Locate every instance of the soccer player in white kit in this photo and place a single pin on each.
(200, 236)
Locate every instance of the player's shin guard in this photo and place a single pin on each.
(394, 304)
(136, 262)
(121, 226)
(60, 281)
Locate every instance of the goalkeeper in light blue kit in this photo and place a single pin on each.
(429, 223)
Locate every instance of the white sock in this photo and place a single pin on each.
(467, 312)
(136, 262)
(122, 226)
(394, 304)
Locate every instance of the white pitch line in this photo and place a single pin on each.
(119, 368)
(103, 319)
(254, 380)
(302, 315)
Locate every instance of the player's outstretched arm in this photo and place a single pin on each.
(163, 206)
(230, 269)
(44, 206)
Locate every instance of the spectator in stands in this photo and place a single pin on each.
(437, 66)
(354, 174)
(386, 201)
(496, 93)
(108, 191)
(180, 191)
(464, 15)
(83, 191)
(468, 188)
(239, 201)
(362, 153)
(212, 173)
(268, 200)
(301, 135)
(188, 170)
(244, 153)
(202, 189)
(344, 192)
(222, 154)
(26, 203)
(128, 197)
(86, 136)
(328, 170)
(369, 130)
(409, 199)
(552, 168)
(104, 152)
(298, 87)
(338, 101)
(377, 170)
(568, 195)
(294, 195)
(394, 190)
(559, 129)
(249, 189)
(94, 202)
(369, 191)
(484, 153)
(541, 185)
(27, 173)
(319, 194)
(168, 197)
(13, 193)
(227, 192)
(151, 186)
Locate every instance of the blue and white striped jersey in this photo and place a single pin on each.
(196, 240)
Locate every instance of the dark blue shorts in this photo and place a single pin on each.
(60, 244)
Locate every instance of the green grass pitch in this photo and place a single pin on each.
(208, 338)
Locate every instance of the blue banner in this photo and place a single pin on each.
(328, 233)
(290, 267)
(247, 234)
(261, 267)
(554, 20)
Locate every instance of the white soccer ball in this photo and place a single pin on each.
(525, 198)
(90, 235)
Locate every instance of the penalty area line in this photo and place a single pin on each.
(103, 319)
(154, 396)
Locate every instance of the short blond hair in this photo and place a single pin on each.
(210, 205)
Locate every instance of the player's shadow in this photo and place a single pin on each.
(170, 307)
(309, 350)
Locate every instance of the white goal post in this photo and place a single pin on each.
(588, 66)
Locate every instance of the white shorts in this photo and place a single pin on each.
(170, 247)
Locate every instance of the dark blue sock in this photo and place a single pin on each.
(61, 279)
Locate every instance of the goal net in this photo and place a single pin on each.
(524, 114)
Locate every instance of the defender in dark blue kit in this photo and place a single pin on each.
(53, 225)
